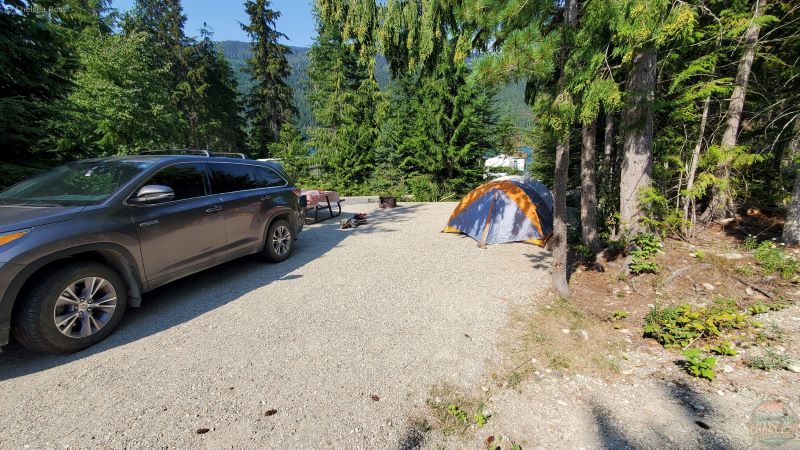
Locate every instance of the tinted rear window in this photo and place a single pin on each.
(186, 180)
(269, 178)
(233, 177)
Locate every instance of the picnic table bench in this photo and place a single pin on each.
(322, 200)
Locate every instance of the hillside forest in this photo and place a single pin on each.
(646, 116)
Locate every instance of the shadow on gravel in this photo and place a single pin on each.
(697, 408)
(612, 435)
(412, 439)
(187, 298)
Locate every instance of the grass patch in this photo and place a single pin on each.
(773, 258)
(453, 411)
(770, 360)
(560, 337)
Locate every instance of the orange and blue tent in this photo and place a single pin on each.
(505, 210)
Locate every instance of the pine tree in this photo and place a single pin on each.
(162, 21)
(121, 101)
(36, 68)
(345, 102)
(220, 122)
(292, 152)
(440, 127)
(720, 206)
(269, 103)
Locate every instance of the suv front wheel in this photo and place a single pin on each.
(71, 308)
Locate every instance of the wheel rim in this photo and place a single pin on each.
(84, 307)
(281, 240)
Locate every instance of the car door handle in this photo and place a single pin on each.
(265, 198)
(215, 208)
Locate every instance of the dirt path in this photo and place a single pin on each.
(386, 310)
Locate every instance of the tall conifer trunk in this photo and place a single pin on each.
(608, 150)
(688, 200)
(559, 239)
(637, 163)
(721, 205)
(791, 227)
(588, 187)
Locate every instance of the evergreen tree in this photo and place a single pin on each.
(292, 153)
(121, 101)
(269, 103)
(441, 127)
(345, 102)
(36, 68)
(220, 122)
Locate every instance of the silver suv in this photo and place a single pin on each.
(82, 242)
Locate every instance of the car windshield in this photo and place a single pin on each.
(81, 183)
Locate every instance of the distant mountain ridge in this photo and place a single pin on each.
(509, 99)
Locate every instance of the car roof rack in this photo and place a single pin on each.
(230, 155)
(176, 152)
(207, 153)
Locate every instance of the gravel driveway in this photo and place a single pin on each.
(343, 340)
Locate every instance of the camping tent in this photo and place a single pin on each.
(505, 210)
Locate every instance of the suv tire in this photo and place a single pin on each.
(279, 242)
(56, 309)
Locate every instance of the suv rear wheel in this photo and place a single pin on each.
(71, 308)
(280, 241)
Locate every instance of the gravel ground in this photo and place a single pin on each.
(651, 404)
(343, 341)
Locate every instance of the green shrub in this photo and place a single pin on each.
(658, 214)
(750, 242)
(699, 364)
(424, 188)
(457, 412)
(774, 259)
(643, 256)
(619, 314)
(678, 326)
(724, 349)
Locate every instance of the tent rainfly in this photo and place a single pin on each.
(505, 210)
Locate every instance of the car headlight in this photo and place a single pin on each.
(5, 238)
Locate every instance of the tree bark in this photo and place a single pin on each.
(637, 163)
(791, 227)
(588, 187)
(693, 164)
(608, 149)
(721, 204)
(559, 238)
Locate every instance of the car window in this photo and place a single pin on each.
(232, 177)
(186, 180)
(269, 178)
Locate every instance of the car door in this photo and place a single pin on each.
(185, 234)
(247, 203)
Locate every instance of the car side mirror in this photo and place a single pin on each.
(303, 201)
(153, 193)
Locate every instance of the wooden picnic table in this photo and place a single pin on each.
(321, 200)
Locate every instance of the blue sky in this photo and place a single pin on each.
(223, 16)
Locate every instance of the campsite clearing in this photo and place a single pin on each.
(387, 309)
(389, 335)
